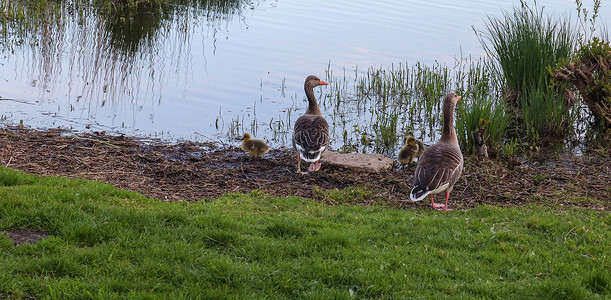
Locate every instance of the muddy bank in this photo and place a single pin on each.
(193, 171)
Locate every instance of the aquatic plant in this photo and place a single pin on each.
(481, 101)
(510, 148)
(472, 112)
(371, 110)
(545, 113)
(386, 127)
(587, 22)
(524, 43)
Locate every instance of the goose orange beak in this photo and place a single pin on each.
(323, 83)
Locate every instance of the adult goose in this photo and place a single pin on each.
(254, 147)
(311, 131)
(441, 164)
(413, 148)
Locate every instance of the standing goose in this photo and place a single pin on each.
(441, 164)
(311, 132)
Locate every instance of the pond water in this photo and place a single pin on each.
(211, 71)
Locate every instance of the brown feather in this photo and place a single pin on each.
(410, 151)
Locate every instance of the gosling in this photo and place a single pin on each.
(413, 148)
(255, 147)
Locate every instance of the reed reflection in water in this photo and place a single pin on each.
(102, 68)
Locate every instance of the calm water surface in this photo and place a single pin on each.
(210, 73)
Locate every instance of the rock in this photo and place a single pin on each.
(372, 163)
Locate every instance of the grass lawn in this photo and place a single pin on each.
(109, 243)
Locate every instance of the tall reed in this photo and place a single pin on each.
(545, 113)
(525, 42)
(481, 101)
(471, 112)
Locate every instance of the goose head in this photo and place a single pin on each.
(313, 81)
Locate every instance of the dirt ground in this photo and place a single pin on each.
(191, 171)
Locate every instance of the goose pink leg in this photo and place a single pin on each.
(440, 206)
(314, 167)
(435, 205)
(445, 207)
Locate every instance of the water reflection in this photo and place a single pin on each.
(92, 66)
(128, 30)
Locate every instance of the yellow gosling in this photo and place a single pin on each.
(255, 147)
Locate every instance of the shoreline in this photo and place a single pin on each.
(189, 171)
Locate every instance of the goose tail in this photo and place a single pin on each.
(418, 193)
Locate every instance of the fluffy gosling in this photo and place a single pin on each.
(255, 147)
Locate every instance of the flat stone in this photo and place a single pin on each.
(372, 163)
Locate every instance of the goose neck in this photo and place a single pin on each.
(312, 103)
(448, 133)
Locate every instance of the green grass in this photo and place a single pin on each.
(109, 243)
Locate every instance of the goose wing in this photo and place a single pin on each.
(311, 137)
(438, 170)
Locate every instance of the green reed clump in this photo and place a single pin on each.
(545, 113)
(388, 102)
(480, 106)
(394, 83)
(379, 102)
(386, 126)
(431, 84)
(524, 43)
(472, 112)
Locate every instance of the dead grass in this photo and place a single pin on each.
(190, 171)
